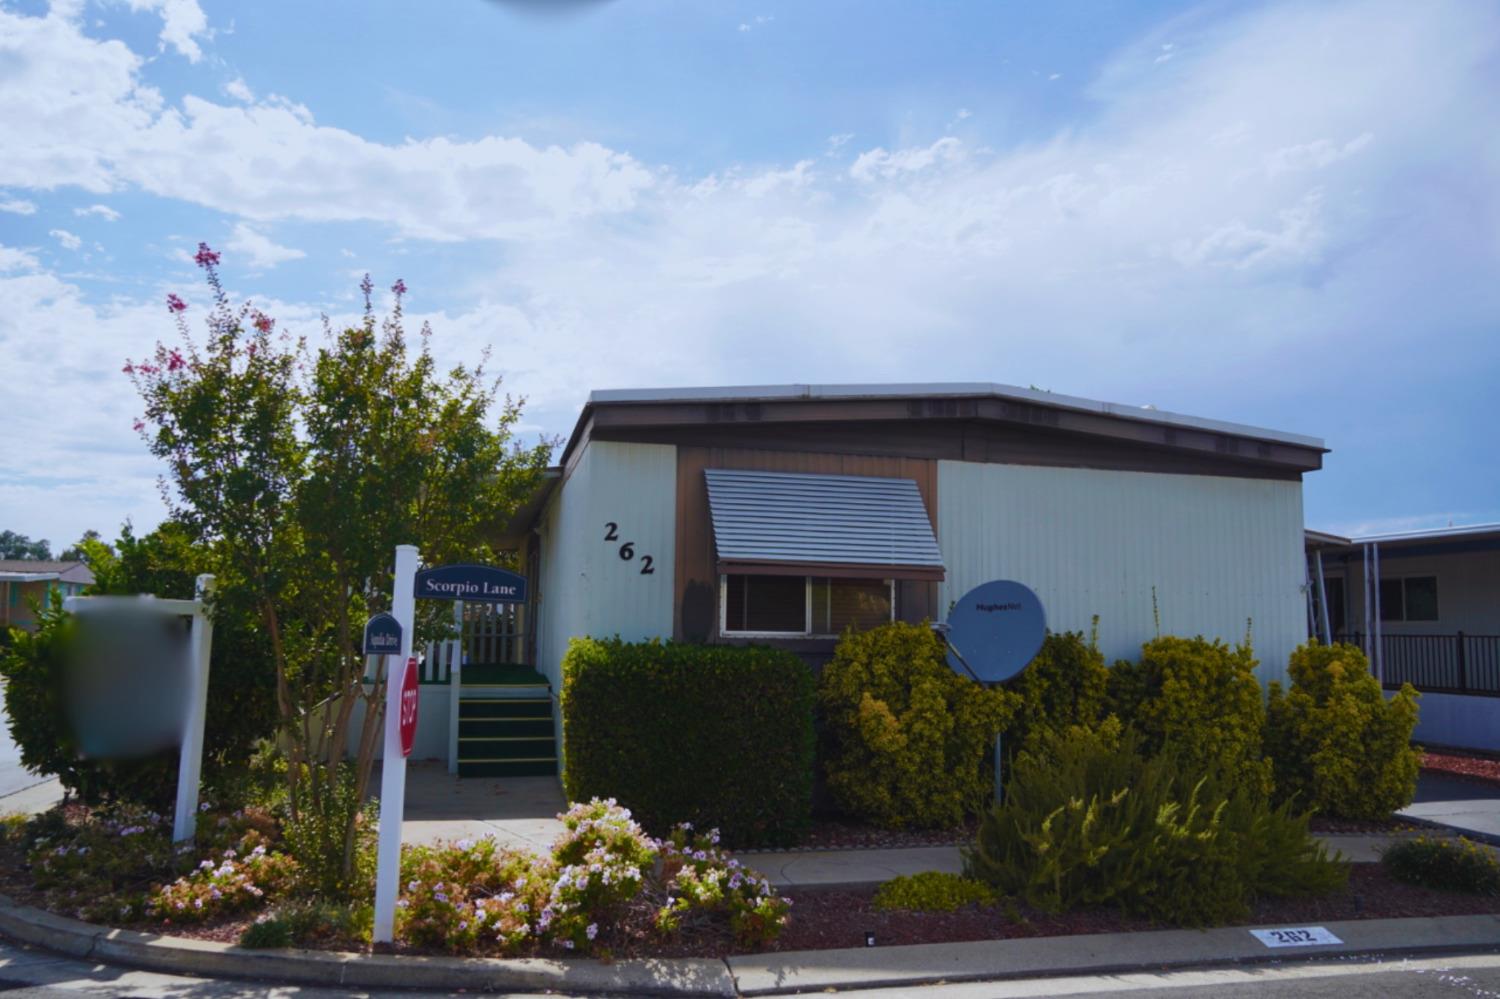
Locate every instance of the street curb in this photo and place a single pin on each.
(746, 975)
(1098, 954)
(179, 955)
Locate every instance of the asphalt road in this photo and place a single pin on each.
(25, 972)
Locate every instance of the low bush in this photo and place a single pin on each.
(310, 923)
(714, 735)
(933, 891)
(1066, 684)
(1444, 864)
(606, 882)
(1089, 819)
(1200, 703)
(231, 884)
(908, 742)
(116, 863)
(320, 838)
(1336, 741)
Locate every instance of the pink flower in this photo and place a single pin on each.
(175, 361)
(139, 425)
(129, 368)
(205, 257)
(264, 322)
(399, 287)
(175, 304)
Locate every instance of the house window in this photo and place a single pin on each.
(803, 606)
(1410, 598)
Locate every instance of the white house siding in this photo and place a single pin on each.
(1217, 550)
(586, 587)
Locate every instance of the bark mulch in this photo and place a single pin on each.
(842, 918)
(1485, 769)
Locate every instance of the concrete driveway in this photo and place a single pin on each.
(1468, 806)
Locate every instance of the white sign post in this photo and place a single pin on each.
(393, 764)
(190, 764)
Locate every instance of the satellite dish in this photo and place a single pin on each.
(995, 629)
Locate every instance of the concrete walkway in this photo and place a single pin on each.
(1468, 807)
(521, 812)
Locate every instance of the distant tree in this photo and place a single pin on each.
(13, 545)
(82, 550)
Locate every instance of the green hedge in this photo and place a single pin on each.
(716, 735)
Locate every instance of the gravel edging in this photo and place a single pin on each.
(758, 974)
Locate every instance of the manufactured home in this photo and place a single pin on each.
(784, 514)
(1425, 607)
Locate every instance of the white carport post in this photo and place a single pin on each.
(393, 765)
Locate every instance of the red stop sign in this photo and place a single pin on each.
(409, 706)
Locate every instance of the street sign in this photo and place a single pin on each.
(382, 636)
(995, 629)
(409, 692)
(481, 584)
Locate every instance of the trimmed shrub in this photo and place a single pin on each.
(908, 742)
(1444, 864)
(1198, 702)
(1065, 685)
(933, 891)
(1335, 739)
(1088, 819)
(715, 735)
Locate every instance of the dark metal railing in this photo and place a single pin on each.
(1439, 664)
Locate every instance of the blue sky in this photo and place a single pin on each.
(1284, 215)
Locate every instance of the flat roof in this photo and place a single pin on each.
(933, 390)
(1467, 532)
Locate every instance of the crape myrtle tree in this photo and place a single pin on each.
(302, 467)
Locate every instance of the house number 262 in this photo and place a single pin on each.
(627, 549)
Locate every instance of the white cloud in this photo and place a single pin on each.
(259, 250)
(105, 212)
(12, 259)
(240, 90)
(66, 238)
(18, 207)
(183, 22)
(77, 112)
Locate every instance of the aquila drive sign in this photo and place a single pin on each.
(382, 636)
(478, 583)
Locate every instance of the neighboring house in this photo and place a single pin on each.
(1425, 607)
(24, 582)
(782, 514)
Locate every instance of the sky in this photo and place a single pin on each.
(1286, 215)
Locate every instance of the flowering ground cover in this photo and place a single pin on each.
(606, 887)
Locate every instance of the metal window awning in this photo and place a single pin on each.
(836, 525)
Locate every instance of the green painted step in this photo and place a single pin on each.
(504, 747)
(508, 768)
(501, 675)
(539, 727)
(504, 707)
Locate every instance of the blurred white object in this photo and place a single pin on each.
(137, 682)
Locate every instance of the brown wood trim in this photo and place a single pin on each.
(844, 570)
(1002, 412)
(956, 441)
